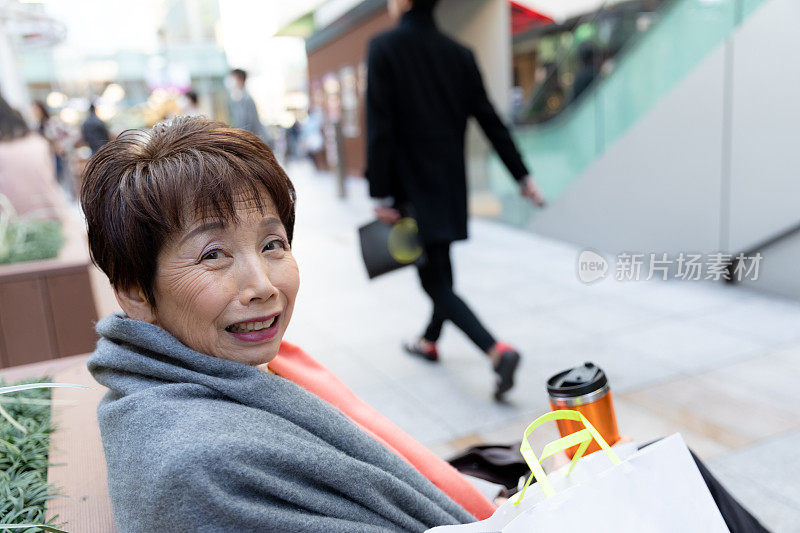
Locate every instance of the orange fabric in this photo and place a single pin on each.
(300, 368)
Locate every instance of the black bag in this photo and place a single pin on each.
(496, 463)
(386, 248)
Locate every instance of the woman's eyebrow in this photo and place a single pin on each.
(207, 226)
(272, 223)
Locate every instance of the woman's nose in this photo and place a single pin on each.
(254, 282)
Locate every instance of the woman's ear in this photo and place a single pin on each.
(135, 304)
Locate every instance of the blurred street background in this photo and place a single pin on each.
(657, 129)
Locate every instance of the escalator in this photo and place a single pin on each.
(647, 67)
(687, 144)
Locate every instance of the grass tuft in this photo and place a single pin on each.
(24, 489)
(29, 240)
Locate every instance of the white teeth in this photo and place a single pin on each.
(252, 326)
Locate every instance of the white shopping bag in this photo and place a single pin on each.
(655, 490)
(585, 469)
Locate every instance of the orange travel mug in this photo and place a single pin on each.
(584, 389)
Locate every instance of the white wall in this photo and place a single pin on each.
(765, 142)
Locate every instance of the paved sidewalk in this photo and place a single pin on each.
(719, 364)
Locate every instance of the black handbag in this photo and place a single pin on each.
(386, 248)
(496, 463)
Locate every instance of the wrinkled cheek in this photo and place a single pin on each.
(184, 288)
(191, 303)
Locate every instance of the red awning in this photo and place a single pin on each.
(524, 18)
(559, 10)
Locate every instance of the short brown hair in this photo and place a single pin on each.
(138, 189)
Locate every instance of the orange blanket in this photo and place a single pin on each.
(300, 368)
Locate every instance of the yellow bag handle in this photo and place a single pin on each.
(583, 438)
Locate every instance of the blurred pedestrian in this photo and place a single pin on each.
(293, 140)
(41, 116)
(312, 138)
(51, 128)
(190, 105)
(94, 130)
(27, 170)
(244, 114)
(422, 87)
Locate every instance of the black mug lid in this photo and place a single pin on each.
(577, 381)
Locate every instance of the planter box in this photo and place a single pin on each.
(47, 309)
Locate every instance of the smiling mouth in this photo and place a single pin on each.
(252, 326)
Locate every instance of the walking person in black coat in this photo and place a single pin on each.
(421, 88)
(94, 130)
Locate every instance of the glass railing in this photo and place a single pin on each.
(560, 149)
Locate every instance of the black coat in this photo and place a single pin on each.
(422, 87)
(95, 132)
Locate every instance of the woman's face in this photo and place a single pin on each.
(229, 290)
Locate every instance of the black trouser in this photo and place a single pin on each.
(436, 275)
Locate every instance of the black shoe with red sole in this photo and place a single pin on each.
(415, 348)
(505, 369)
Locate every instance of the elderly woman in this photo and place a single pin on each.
(212, 422)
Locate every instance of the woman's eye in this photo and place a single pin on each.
(212, 255)
(276, 244)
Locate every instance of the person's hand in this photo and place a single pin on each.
(500, 500)
(389, 215)
(531, 191)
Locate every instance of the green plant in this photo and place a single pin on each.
(23, 239)
(25, 429)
